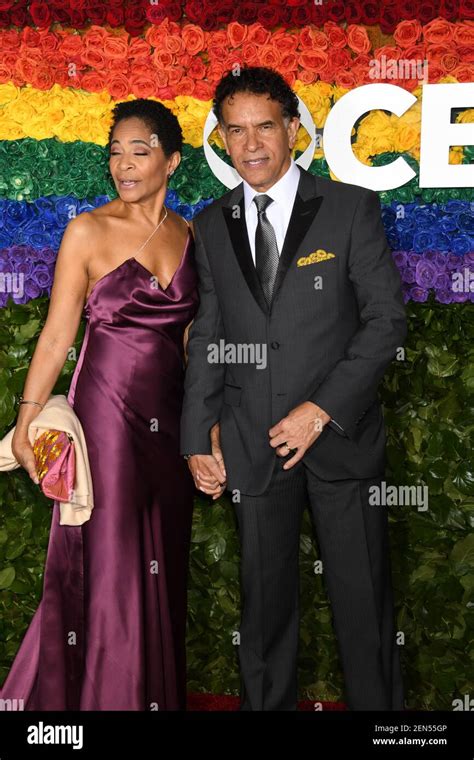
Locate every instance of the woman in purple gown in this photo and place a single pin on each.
(109, 633)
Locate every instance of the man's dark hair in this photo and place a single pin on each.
(160, 120)
(259, 81)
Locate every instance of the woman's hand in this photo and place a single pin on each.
(208, 470)
(23, 453)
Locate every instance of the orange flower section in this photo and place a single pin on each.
(173, 59)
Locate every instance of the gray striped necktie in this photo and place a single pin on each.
(266, 249)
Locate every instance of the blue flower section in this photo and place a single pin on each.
(43, 222)
(445, 228)
(432, 244)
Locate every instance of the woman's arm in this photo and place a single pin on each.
(185, 340)
(59, 331)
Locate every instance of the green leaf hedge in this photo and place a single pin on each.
(427, 396)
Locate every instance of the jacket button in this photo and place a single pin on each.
(275, 344)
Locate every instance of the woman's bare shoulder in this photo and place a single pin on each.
(110, 210)
(105, 212)
(88, 224)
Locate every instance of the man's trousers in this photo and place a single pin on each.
(354, 547)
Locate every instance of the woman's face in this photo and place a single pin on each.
(137, 163)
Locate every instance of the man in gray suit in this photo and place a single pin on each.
(300, 314)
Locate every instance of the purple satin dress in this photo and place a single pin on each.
(109, 633)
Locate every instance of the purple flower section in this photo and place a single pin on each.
(449, 277)
(27, 273)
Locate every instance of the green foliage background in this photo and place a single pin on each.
(428, 410)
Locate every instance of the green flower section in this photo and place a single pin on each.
(31, 169)
(428, 398)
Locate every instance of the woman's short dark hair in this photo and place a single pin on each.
(259, 81)
(159, 119)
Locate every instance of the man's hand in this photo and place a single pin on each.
(208, 470)
(298, 430)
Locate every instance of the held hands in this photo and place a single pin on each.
(298, 430)
(208, 470)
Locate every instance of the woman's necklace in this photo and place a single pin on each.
(157, 227)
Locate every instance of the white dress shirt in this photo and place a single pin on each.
(279, 212)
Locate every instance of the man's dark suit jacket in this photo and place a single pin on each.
(328, 341)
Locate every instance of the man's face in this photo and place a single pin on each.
(257, 138)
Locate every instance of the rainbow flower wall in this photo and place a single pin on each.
(63, 67)
(58, 86)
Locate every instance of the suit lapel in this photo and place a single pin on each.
(305, 208)
(304, 212)
(234, 214)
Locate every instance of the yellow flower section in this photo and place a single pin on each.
(71, 115)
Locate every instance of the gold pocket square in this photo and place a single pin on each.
(315, 257)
